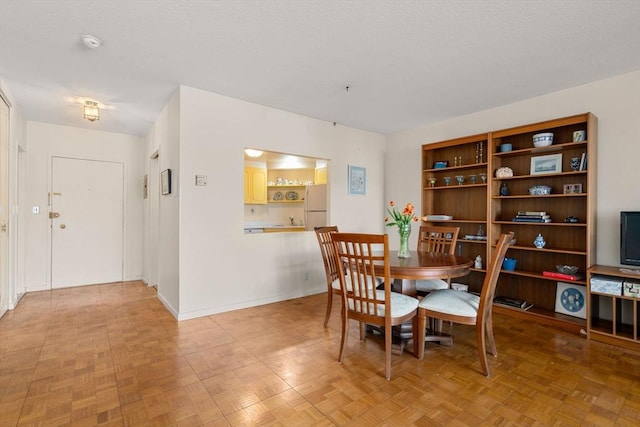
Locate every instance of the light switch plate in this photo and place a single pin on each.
(201, 180)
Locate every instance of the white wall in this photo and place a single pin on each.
(614, 101)
(220, 268)
(47, 140)
(167, 142)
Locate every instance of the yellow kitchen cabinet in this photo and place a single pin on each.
(255, 186)
(321, 176)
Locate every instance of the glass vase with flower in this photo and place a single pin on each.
(403, 221)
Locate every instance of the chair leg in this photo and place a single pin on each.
(416, 335)
(491, 341)
(482, 350)
(329, 304)
(421, 332)
(345, 333)
(387, 354)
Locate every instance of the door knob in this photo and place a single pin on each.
(53, 215)
(63, 226)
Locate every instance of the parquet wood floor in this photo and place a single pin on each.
(111, 355)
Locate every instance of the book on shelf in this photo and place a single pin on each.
(511, 302)
(517, 219)
(526, 307)
(536, 213)
(439, 217)
(533, 216)
(558, 275)
(583, 162)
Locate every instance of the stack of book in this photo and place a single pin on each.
(512, 302)
(532, 216)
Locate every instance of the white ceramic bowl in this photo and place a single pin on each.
(542, 139)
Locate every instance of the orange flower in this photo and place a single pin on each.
(401, 219)
(408, 210)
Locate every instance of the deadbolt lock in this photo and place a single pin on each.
(63, 226)
(53, 215)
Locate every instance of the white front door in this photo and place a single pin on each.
(87, 222)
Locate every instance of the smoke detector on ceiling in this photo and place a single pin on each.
(90, 41)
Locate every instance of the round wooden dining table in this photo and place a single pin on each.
(422, 266)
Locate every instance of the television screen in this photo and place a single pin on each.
(630, 238)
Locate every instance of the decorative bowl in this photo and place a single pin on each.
(542, 139)
(504, 172)
(540, 190)
(441, 164)
(567, 269)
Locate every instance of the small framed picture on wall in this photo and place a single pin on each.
(357, 180)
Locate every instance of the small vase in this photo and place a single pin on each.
(539, 242)
(504, 190)
(404, 230)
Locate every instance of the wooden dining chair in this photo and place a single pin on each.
(361, 300)
(330, 260)
(466, 308)
(436, 239)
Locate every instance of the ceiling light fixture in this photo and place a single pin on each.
(90, 41)
(253, 153)
(91, 111)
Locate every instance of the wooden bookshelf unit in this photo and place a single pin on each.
(482, 204)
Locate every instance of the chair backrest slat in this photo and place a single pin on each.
(328, 251)
(438, 239)
(359, 254)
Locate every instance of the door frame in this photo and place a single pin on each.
(153, 220)
(7, 258)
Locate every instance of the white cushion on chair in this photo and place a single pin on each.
(336, 283)
(431, 285)
(452, 302)
(400, 304)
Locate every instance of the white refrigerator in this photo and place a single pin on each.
(315, 206)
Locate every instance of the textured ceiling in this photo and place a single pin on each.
(407, 63)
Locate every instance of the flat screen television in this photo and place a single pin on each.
(630, 238)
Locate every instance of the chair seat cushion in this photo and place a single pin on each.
(400, 304)
(336, 283)
(431, 285)
(453, 302)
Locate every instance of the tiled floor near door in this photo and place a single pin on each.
(111, 355)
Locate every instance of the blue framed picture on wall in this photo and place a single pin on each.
(357, 180)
